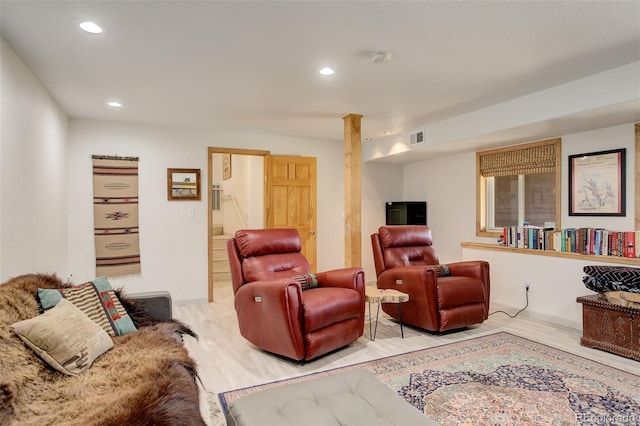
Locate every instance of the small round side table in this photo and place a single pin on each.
(376, 295)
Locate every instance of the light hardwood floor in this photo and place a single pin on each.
(227, 361)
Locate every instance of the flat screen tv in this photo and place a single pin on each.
(406, 213)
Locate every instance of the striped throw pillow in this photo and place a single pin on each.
(97, 300)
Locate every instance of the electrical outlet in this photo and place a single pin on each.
(527, 285)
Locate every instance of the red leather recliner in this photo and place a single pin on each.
(275, 314)
(404, 259)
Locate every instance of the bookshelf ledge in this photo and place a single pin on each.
(552, 253)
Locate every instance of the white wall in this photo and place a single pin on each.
(380, 183)
(556, 283)
(33, 203)
(236, 203)
(174, 247)
(448, 185)
(246, 186)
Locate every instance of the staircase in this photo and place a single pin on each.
(221, 274)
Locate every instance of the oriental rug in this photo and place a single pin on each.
(500, 379)
(115, 215)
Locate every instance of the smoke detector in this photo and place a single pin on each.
(380, 57)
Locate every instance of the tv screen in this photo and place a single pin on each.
(406, 213)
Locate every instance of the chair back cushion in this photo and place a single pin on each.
(257, 242)
(268, 254)
(407, 245)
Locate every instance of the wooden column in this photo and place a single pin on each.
(352, 190)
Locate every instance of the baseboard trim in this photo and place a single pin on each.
(556, 320)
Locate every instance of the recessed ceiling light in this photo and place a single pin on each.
(387, 133)
(327, 71)
(115, 104)
(91, 27)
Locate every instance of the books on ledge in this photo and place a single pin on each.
(592, 241)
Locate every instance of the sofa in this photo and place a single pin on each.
(143, 377)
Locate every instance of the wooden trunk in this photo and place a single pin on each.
(610, 327)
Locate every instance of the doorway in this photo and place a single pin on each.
(253, 189)
(231, 205)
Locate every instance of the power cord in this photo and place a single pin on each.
(526, 294)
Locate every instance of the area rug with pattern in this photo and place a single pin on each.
(500, 379)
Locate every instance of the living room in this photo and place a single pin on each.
(46, 212)
(56, 148)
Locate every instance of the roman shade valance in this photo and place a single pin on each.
(537, 157)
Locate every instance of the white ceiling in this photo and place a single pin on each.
(253, 66)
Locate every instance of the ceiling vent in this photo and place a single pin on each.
(381, 57)
(416, 138)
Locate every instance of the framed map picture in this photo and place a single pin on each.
(597, 183)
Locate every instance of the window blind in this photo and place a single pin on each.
(537, 157)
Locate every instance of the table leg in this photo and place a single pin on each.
(375, 330)
(372, 336)
(400, 319)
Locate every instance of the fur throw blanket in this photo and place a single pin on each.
(147, 378)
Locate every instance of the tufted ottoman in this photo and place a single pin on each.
(352, 398)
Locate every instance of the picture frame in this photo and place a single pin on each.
(183, 184)
(226, 166)
(597, 183)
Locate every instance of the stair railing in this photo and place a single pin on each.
(236, 208)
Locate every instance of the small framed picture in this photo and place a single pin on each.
(226, 166)
(183, 184)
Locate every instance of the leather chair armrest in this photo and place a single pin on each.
(472, 268)
(349, 278)
(270, 316)
(420, 283)
(477, 269)
(345, 278)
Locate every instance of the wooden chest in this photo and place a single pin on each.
(610, 327)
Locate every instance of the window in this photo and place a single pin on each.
(216, 196)
(518, 184)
